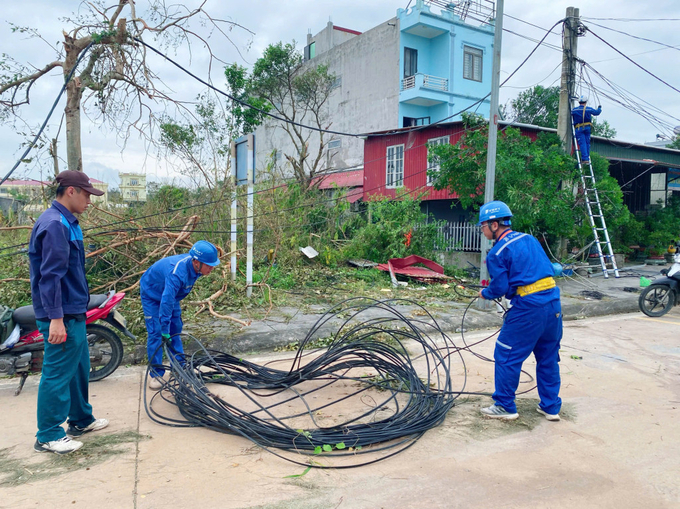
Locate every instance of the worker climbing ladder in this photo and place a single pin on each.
(594, 209)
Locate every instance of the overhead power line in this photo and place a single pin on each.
(634, 62)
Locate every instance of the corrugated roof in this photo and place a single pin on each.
(351, 178)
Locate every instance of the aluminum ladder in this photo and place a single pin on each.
(594, 209)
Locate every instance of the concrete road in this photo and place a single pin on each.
(618, 445)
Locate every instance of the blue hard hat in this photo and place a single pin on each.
(494, 211)
(583, 99)
(205, 252)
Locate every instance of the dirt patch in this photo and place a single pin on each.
(97, 449)
(465, 421)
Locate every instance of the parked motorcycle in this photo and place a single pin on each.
(22, 353)
(659, 297)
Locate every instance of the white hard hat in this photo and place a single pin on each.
(583, 99)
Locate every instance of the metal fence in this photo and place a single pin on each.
(461, 236)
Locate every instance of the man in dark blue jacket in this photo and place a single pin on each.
(521, 271)
(60, 297)
(582, 117)
(161, 288)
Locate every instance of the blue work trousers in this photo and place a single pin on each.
(63, 390)
(583, 140)
(538, 330)
(154, 348)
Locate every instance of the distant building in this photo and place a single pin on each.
(37, 196)
(132, 187)
(420, 67)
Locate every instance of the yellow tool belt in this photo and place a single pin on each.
(542, 284)
(585, 124)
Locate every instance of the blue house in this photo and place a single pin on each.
(445, 62)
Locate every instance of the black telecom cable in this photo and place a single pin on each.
(635, 63)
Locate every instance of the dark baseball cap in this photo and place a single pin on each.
(72, 178)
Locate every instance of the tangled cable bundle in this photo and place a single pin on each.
(312, 408)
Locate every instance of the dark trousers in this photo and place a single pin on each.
(63, 391)
(537, 330)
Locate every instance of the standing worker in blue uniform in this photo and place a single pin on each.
(162, 286)
(583, 121)
(521, 271)
(60, 297)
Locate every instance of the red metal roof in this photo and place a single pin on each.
(351, 178)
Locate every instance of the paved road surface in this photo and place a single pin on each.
(618, 445)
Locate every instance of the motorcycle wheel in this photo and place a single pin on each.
(106, 351)
(656, 300)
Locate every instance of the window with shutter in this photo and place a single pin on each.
(472, 63)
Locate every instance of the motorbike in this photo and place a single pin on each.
(22, 352)
(659, 297)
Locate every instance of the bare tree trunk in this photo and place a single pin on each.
(74, 93)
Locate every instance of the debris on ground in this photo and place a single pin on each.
(432, 272)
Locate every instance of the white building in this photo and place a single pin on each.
(132, 187)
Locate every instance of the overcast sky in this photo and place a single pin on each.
(272, 21)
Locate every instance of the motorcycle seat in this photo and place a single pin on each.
(25, 315)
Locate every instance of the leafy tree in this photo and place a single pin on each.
(115, 82)
(202, 142)
(540, 105)
(675, 143)
(397, 228)
(281, 82)
(531, 178)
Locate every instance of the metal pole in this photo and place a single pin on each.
(493, 135)
(249, 228)
(234, 212)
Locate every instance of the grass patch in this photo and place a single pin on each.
(97, 449)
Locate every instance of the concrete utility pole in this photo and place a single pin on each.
(568, 81)
(493, 135)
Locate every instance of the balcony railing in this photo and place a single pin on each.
(425, 81)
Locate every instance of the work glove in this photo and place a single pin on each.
(166, 338)
(599, 106)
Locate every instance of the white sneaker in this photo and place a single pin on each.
(155, 383)
(62, 446)
(498, 412)
(96, 425)
(550, 417)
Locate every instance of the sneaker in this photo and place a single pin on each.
(550, 417)
(155, 383)
(96, 425)
(62, 446)
(498, 412)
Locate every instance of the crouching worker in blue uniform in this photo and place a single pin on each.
(521, 271)
(162, 287)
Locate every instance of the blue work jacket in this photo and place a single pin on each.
(584, 115)
(57, 265)
(167, 282)
(517, 259)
